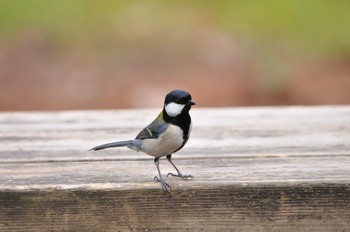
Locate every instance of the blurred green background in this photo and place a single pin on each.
(86, 54)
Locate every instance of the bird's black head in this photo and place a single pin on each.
(177, 101)
(178, 96)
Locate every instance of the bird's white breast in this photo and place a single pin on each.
(165, 144)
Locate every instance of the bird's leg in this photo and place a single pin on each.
(166, 187)
(179, 174)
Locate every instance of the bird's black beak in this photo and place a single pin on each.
(191, 103)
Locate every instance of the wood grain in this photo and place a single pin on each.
(256, 169)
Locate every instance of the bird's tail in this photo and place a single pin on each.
(127, 143)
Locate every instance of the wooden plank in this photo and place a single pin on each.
(230, 208)
(44, 136)
(126, 174)
(269, 168)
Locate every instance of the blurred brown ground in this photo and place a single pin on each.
(35, 75)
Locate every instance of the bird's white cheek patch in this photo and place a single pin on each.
(174, 109)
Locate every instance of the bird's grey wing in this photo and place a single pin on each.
(152, 131)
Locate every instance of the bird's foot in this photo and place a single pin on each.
(166, 187)
(180, 175)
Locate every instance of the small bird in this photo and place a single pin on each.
(167, 134)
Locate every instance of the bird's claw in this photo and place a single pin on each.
(184, 177)
(166, 187)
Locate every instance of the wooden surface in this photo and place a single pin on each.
(260, 169)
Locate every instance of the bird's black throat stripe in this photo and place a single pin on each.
(183, 121)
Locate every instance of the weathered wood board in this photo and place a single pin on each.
(261, 169)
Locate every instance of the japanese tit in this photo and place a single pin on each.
(167, 134)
